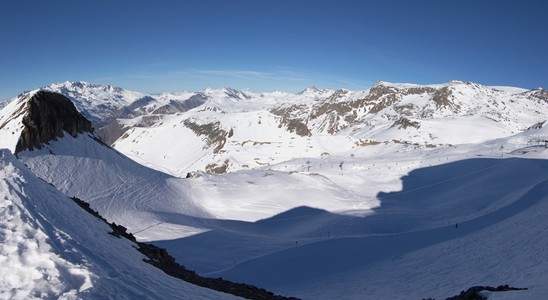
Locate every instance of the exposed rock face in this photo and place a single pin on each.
(48, 115)
(337, 115)
(215, 135)
(403, 123)
(290, 121)
(539, 95)
(474, 293)
(216, 168)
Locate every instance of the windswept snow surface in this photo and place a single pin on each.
(120, 189)
(52, 249)
(11, 117)
(395, 221)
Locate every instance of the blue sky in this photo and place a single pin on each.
(154, 46)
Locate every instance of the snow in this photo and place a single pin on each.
(314, 254)
(120, 189)
(371, 211)
(11, 117)
(390, 211)
(261, 138)
(52, 249)
(29, 267)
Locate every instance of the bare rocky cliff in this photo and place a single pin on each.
(48, 116)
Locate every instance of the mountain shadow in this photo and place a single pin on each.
(435, 205)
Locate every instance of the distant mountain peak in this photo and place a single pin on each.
(313, 90)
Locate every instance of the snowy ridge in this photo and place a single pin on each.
(30, 267)
(95, 102)
(11, 117)
(51, 248)
(120, 189)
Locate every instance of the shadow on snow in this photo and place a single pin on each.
(436, 204)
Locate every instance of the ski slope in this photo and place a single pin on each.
(452, 226)
(407, 203)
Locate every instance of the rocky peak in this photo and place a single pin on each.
(48, 116)
(381, 89)
(309, 90)
(539, 94)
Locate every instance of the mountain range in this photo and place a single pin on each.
(395, 191)
(431, 115)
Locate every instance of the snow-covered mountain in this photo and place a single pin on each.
(59, 146)
(229, 130)
(98, 103)
(321, 194)
(60, 251)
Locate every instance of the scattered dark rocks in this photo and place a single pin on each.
(215, 135)
(293, 123)
(160, 258)
(403, 123)
(474, 293)
(214, 168)
(444, 97)
(536, 125)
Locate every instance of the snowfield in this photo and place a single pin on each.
(52, 249)
(389, 211)
(399, 191)
(120, 189)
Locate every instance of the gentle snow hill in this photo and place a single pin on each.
(52, 249)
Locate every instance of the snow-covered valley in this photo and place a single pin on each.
(396, 192)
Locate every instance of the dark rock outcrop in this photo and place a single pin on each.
(215, 135)
(48, 115)
(293, 123)
(160, 258)
(403, 123)
(444, 98)
(474, 293)
(214, 168)
(539, 95)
